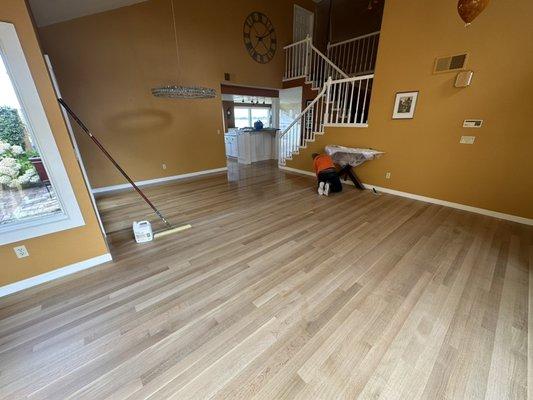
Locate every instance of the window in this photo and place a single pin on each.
(35, 194)
(261, 114)
(242, 117)
(246, 116)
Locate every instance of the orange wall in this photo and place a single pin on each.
(107, 63)
(423, 154)
(63, 248)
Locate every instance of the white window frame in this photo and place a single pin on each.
(250, 120)
(39, 127)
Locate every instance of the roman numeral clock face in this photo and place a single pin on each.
(259, 37)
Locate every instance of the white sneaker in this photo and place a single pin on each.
(321, 188)
(326, 189)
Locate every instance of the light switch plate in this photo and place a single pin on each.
(21, 251)
(467, 139)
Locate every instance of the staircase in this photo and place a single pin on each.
(343, 99)
(355, 56)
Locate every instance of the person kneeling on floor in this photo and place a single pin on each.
(328, 179)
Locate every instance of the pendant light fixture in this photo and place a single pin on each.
(178, 91)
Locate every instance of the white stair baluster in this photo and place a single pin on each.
(351, 102)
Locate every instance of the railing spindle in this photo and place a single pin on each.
(345, 102)
(357, 103)
(351, 102)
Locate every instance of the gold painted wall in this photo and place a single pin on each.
(107, 63)
(63, 248)
(424, 155)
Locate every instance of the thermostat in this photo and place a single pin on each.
(467, 139)
(464, 79)
(472, 123)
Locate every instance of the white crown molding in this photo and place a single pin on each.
(48, 12)
(157, 181)
(490, 213)
(55, 274)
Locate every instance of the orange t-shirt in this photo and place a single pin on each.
(322, 162)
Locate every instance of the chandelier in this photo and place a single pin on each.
(178, 91)
(184, 92)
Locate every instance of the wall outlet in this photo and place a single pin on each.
(164, 166)
(387, 175)
(21, 251)
(467, 139)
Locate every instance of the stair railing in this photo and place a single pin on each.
(304, 60)
(303, 128)
(341, 103)
(348, 100)
(355, 56)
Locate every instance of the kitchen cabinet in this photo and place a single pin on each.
(256, 146)
(230, 142)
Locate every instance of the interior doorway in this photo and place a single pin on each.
(290, 105)
(251, 123)
(303, 21)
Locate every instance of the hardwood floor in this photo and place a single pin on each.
(276, 293)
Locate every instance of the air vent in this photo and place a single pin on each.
(450, 63)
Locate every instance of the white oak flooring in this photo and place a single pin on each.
(276, 293)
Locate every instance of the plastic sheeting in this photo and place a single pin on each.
(351, 156)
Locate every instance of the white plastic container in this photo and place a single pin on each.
(142, 231)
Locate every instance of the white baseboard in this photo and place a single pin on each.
(55, 274)
(297, 171)
(114, 188)
(490, 213)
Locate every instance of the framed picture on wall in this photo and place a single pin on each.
(404, 105)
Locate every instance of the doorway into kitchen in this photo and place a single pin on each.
(251, 123)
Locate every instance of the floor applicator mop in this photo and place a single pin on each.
(170, 229)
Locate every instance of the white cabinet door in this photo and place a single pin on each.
(233, 146)
(254, 146)
(230, 142)
(267, 146)
(227, 146)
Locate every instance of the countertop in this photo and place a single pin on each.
(241, 131)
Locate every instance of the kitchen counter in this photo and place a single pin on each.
(253, 131)
(251, 145)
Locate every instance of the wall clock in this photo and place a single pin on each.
(259, 37)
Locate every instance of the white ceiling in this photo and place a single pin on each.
(48, 12)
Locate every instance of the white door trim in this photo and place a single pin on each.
(304, 13)
(74, 142)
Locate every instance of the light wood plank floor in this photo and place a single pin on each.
(277, 293)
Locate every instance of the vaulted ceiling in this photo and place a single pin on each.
(47, 12)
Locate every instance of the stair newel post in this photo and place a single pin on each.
(326, 114)
(307, 51)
